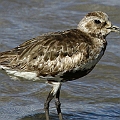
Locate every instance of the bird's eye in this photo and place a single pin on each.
(97, 21)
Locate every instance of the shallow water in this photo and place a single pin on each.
(96, 96)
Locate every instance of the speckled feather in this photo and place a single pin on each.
(52, 53)
(65, 55)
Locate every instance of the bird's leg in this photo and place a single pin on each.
(58, 104)
(56, 87)
(46, 105)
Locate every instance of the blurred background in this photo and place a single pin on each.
(96, 96)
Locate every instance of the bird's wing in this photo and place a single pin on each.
(49, 53)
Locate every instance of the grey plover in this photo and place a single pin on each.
(60, 56)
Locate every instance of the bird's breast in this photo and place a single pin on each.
(82, 69)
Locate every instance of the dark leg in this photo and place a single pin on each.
(58, 104)
(53, 92)
(46, 105)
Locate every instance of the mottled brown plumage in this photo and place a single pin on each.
(61, 56)
(53, 53)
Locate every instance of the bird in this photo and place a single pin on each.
(61, 56)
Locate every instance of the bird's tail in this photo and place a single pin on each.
(6, 58)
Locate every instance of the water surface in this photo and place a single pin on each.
(96, 96)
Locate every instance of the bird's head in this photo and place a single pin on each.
(97, 23)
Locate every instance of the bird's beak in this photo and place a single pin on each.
(115, 29)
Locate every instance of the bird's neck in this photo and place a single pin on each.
(99, 40)
(99, 36)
